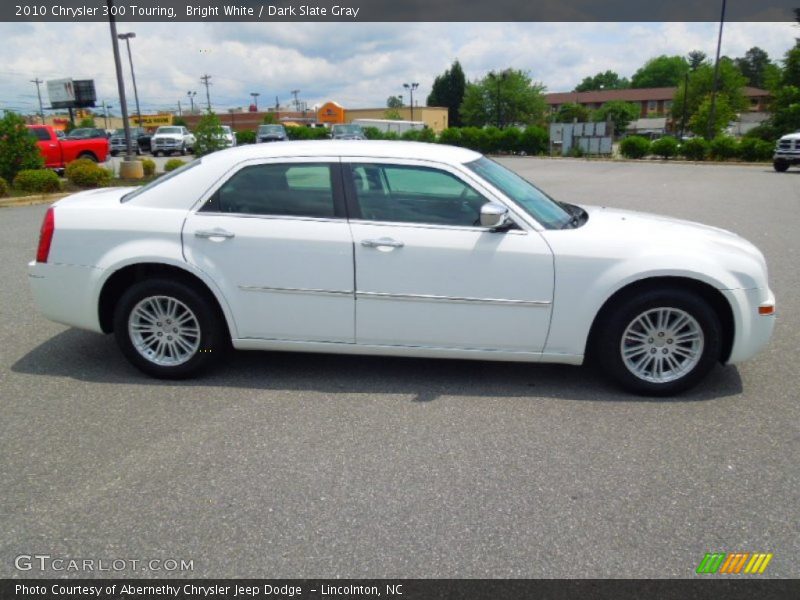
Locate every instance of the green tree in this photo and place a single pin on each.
(701, 83)
(510, 97)
(786, 110)
(755, 65)
(791, 67)
(394, 102)
(87, 122)
(662, 71)
(448, 90)
(696, 58)
(392, 114)
(180, 122)
(208, 135)
(270, 119)
(572, 111)
(603, 81)
(619, 112)
(724, 113)
(18, 149)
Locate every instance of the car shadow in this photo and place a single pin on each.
(94, 358)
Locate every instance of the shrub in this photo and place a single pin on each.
(755, 150)
(245, 136)
(149, 167)
(301, 132)
(635, 146)
(694, 149)
(419, 135)
(3, 187)
(534, 140)
(18, 150)
(724, 147)
(765, 131)
(172, 164)
(450, 136)
(665, 147)
(373, 133)
(41, 181)
(87, 174)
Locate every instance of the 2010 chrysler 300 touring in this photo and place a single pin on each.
(395, 248)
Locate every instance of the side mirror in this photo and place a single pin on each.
(494, 216)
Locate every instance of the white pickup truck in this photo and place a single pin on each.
(787, 152)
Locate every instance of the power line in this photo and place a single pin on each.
(205, 81)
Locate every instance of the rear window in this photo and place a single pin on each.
(40, 133)
(166, 177)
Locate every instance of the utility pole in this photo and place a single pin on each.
(38, 81)
(411, 87)
(205, 81)
(123, 105)
(191, 101)
(105, 113)
(180, 113)
(713, 110)
(296, 101)
(255, 96)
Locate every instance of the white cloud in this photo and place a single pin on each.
(357, 64)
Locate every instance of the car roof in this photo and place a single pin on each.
(362, 148)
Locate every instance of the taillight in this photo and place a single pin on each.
(46, 236)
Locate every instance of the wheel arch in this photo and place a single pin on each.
(122, 279)
(707, 292)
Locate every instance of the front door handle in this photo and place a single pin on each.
(382, 243)
(214, 233)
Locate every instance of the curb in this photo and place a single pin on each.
(31, 200)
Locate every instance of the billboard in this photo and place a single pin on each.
(66, 93)
(61, 93)
(152, 120)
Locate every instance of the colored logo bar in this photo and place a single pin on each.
(734, 562)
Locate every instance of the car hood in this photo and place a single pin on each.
(665, 243)
(164, 136)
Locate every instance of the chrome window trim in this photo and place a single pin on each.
(271, 217)
(456, 299)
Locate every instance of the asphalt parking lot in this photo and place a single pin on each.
(297, 465)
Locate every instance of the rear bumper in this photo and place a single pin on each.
(752, 330)
(65, 293)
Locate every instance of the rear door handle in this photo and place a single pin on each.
(382, 242)
(214, 233)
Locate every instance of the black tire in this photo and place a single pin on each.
(155, 153)
(608, 343)
(780, 166)
(113, 152)
(88, 155)
(208, 346)
(183, 150)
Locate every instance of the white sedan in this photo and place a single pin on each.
(395, 248)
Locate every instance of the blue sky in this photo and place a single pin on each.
(356, 64)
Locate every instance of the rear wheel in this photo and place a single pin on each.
(88, 155)
(168, 329)
(780, 165)
(660, 343)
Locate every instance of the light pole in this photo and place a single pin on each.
(38, 81)
(713, 109)
(123, 105)
(127, 37)
(191, 101)
(255, 96)
(411, 87)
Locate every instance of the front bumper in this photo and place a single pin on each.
(752, 330)
(65, 293)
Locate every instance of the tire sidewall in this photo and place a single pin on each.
(608, 343)
(211, 330)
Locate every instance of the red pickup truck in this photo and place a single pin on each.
(57, 152)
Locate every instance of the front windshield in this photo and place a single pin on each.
(119, 132)
(527, 196)
(271, 129)
(226, 129)
(158, 181)
(168, 130)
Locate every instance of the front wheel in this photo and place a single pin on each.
(780, 165)
(167, 329)
(659, 343)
